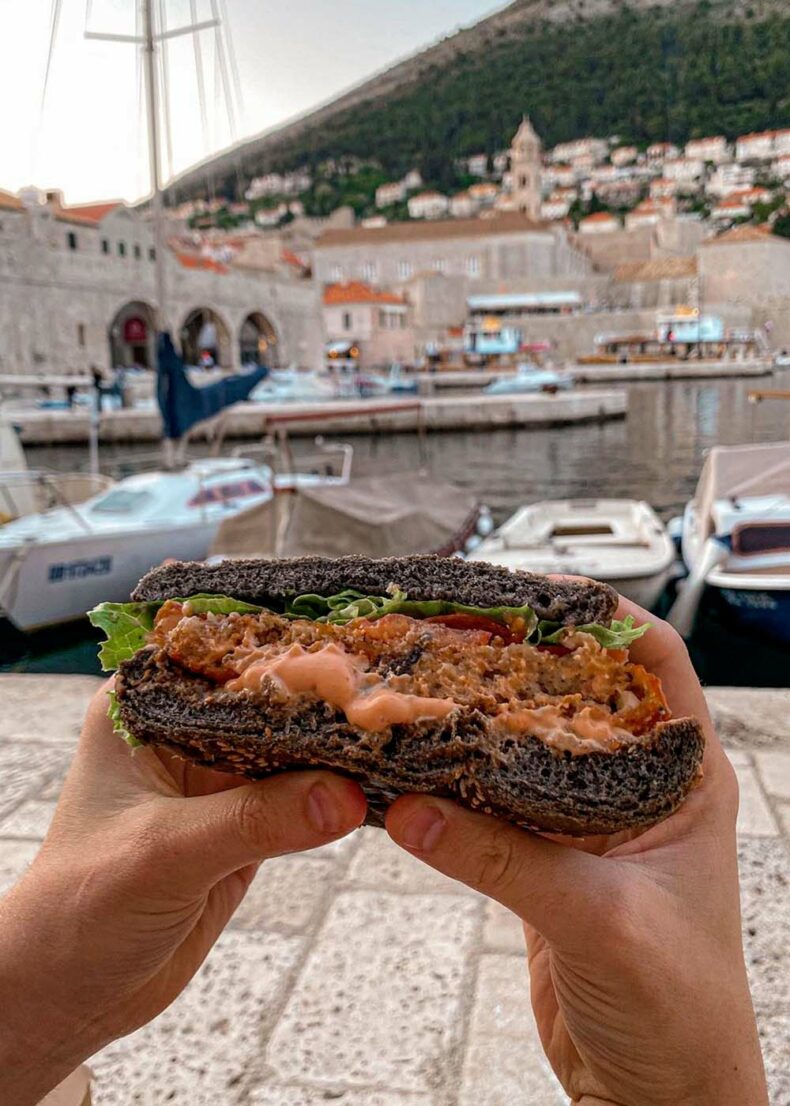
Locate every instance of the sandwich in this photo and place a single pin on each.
(510, 693)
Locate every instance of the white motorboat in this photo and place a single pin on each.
(293, 386)
(736, 539)
(619, 541)
(57, 564)
(530, 378)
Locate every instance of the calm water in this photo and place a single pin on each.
(655, 454)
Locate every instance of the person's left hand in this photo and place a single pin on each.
(145, 862)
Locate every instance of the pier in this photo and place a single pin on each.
(245, 420)
(670, 370)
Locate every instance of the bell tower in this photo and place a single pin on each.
(525, 168)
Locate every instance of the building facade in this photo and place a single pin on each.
(503, 246)
(78, 288)
(378, 323)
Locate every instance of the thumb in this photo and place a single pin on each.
(231, 829)
(539, 880)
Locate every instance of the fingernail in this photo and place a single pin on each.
(323, 810)
(423, 829)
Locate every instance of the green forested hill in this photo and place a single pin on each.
(644, 73)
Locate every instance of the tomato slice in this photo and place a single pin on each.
(477, 622)
(556, 650)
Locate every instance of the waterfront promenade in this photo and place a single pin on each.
(355, 975)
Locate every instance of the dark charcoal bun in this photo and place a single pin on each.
(523, 781)
(474, 584)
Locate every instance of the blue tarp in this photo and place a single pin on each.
(182, 403)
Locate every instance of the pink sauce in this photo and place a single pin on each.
(592, 730)
(340, 679)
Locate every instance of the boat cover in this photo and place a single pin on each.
(733, 471)
(379, 516)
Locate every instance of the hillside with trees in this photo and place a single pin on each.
(642, 71)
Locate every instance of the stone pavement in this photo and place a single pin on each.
(355, 975)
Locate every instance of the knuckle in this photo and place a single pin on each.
(498, 863)
(254, 820)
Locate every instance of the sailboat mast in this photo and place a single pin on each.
(149, 58)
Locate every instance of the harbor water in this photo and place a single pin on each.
(655, 454)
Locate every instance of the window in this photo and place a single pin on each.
(122, 502)
(222, 493)
(405, 270)
(473, 266)
(105, 245)
(71, 240)
(122, 249)
(152, 254)
(336, 274)
(81, 335)
(402, 322)
(522, 181)
(384, 319)
(348, 320)
(369, 270)
(440, 265)
(138, 253)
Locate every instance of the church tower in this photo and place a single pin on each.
(525, 170)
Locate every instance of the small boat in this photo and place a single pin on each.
(736, 540)
(57, 564)
(377, 516)
(530, 378)
(293, 386)
(619, 541)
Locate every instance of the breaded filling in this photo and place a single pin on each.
(398, 669)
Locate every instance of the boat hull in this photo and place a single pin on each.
(54, 582)
(764, 613)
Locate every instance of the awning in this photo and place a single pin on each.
(523, 301)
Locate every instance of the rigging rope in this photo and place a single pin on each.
(53, 31)
(165, 85)
(201, 82)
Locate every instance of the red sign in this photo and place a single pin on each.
(135, 330)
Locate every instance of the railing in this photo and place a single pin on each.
(36, 490)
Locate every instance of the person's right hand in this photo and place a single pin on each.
(638, 980)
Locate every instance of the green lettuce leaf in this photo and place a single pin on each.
(620, 635)
(348, 605)
(126, 625)
(114, 714)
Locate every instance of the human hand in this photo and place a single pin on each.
(145, 862)
(638, 982)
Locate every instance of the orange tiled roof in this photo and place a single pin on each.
(290, 258)
(196, 261)
(746, 233)
(9, 202)
(93, 213)
(357, 292)
(506, 222)
(600, 217)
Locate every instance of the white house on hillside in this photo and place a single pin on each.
(428, 205)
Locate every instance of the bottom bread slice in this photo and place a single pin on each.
(520, 779)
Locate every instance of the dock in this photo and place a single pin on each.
(670, 370)
(249, 420)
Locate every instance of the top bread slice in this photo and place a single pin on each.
(474, 584)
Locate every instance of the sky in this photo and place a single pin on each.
(86, 135)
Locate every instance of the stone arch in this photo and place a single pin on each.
(205, 330)
(258, 340)
(132, 335)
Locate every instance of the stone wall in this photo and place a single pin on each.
(57, 304)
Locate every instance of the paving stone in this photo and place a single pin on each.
(765, 910)
(203, 1050)
(740, 758)
(378, 1001)
(774, 770)
(784, 818)
(15, 858)
(306, 1096)
(31, 819)
(751, 717)
(755, 818)
(21, 775)
(340, 850)
(774, 1029)
(54, 786)
(51, 716)
(502, 1003)
(506, 1071)
(286, 894)
(503, 931)
(380, 864)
